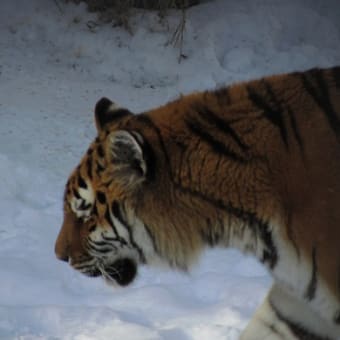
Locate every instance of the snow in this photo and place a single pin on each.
(53, 69)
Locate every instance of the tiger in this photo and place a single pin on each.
(253, 166)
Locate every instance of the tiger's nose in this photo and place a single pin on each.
(61, 252)
(62, 257)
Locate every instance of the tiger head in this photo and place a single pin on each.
(120, 207)
(100, 235)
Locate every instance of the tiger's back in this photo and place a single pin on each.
(253, 166)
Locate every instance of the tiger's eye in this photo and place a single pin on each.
(101, 197)
(92, 228)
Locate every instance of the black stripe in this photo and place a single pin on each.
(221, 125)
(99, 243)
(299, 331)
(89, 167)
(277, 117)
(92, 228)
(181, 153)
(99, 167)
(211, 235)
(116, 211)
(143, 118)
(101, 197)
(311, 289)
(269, 255)
(109, 220)
(76, 194)
(94, 210)
(320, 95)
(218, 164)
(100, 151)
(151, 162)
(183, 170)
(84, 206)
(152, 238)
(336, 76)
(201, 169)
(290, 234)
(296, 132)
(186, 170)
(100, 247)
(217, 146)
(272, 111)
(108, 239)
(149, 157)
(81, 182)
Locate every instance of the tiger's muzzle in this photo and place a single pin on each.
(122, 271)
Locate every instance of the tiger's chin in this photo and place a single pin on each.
(121, 272)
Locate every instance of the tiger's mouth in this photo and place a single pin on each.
(122, 271)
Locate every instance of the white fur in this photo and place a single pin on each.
(114, 107)
(143, 239)
(244, 239)
(298, 310)
(121, 230)
(294, 274)
(265, 325)
(87, 196)
(139, 233)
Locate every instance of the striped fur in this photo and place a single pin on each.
(254, 166)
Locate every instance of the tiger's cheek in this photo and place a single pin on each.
(82, 200)
(95, 231)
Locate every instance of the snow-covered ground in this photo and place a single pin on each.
(53, 69)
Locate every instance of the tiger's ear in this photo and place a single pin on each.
(127, 157)
(107, 111)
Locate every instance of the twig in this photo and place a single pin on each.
(92, 26)
(178, 36)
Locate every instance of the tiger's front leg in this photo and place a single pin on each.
(282, 316)
(266, 325)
